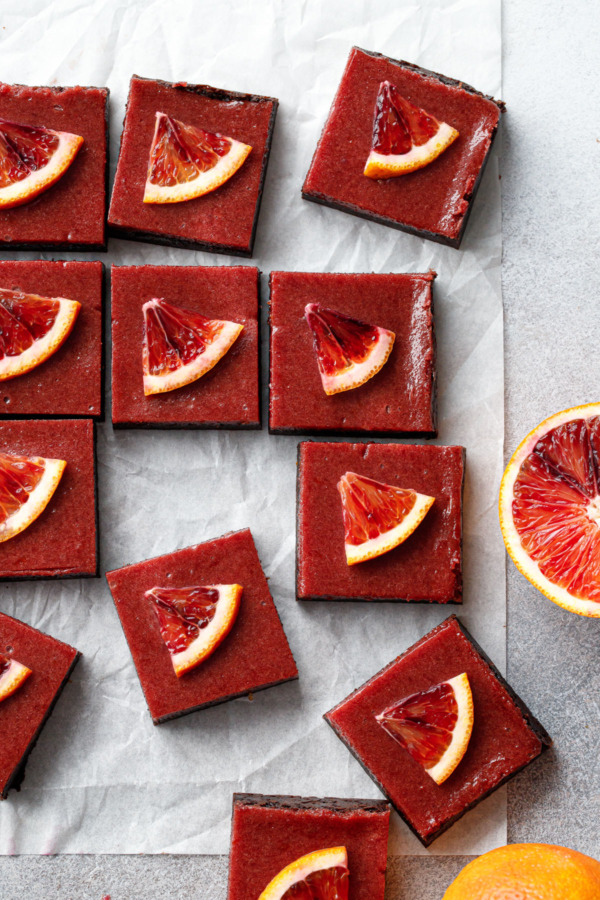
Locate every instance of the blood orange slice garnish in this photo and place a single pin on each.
(32, 328)
(12, 676)
(321, 875)
(405, 137)
(32, 159)
(377, 516)
(434, 725)
(26, 487)
(193, 621)
(180, 345)
(187, 162)
(349, 352)
(550, 508)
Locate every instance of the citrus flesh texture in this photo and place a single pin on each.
(32, 328)
(26, 487)
(550, 508)
(32, 159)
(193, 621)
(349, 352)
(12, 676)
(405, 137)
(180, 345)
(187, 162)
(321, 875)
(377, 516)
(434, 726)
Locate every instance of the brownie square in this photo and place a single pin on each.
(505, 737)
(71, 214)
(223, 221)
(24, 713)
(226, 397)
(432, 202)
(62, 542)
(269, 833)
(399, 400)
(70, 382)
(255, 655)
(427, 567)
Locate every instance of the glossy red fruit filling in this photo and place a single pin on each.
(398, 125)
(370, 508)
(23, 149)
(182, 613)
(180, 152)
(423, 723)
(327, 884)
(23, 320)
(339, 340)
(18, 477)
(556, 506)
(174, 337)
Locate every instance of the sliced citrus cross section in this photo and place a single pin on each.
(550, 508)
(26, 487)
(187, 162)
(321, 875)
(12, 676)
(32, 159)
(434, 725)
(32, 328)
(193, 621)
(349, 352)
(405, 137)
(377, 516)
(180, 345)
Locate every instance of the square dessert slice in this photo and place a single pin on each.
(71, 214)
(426, 567)
(25, 710)
(270, 833)
(255, 653)
(223, 220)
(228, 396)
(70, 381)
(433, 201)
(62, 541)
(504, 739)
(398, 400)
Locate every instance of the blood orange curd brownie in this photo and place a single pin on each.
(192, 166)
(379, 522)
(333, 324)
(201, 626)
(48, 517)
(34, 668)
(192, 359)
(404, 147)
(438, 729)
(341, 846)
(54, 151)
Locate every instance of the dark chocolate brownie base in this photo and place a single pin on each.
(336, 432)
(189, 426)
(334, 804)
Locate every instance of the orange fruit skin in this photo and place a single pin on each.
(528, 872)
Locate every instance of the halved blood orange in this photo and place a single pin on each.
(193, 621)
(26, 487)
(349, 352)
(435, 725)
(377, 516)
(550, 508)
(187, 162)
(405, 137)
(32, 159)
(320, 875)
(32, 328)
(180, 345)
(12, 676)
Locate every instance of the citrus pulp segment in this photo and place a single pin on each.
(12, 676)
(321, 875)
(32, 159)
(26, 487)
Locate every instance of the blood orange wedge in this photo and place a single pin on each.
(26, 487)
(187, 162)
(377, 516)
(180, 345)
(405, 137)
(434, 725)
(32, 328)
(321, 875)
(550, 508)
(12, 676)
(194, 620)
(349, 352)
(32, 159)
